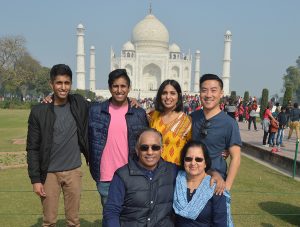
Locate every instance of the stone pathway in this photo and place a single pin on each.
(255, 139)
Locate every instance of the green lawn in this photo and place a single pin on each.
(260, 196)
(13, 125)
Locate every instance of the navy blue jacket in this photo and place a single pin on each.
(99, 120)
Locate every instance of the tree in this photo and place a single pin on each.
(233, 96)
(41, 84)
(292, 79)
(298, 62)
(12, 48)
(20, 74)
(264, 101)
(86, 93)
(246, 97)
(288, 95)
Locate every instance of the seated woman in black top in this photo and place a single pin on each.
(195, 203)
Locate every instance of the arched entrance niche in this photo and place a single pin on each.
(151, 78)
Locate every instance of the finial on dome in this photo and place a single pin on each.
(150, 7)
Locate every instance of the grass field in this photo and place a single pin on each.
(260, 196)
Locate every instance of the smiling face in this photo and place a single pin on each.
(194, 161)
(149, 149)
(119, 91)
(210, 95)
(169, 97)
(61, 86)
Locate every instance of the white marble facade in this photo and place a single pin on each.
(149, 59)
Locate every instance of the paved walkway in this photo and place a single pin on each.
(255, 139)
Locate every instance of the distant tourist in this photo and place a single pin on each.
(294, 120)
(252, 115)
(282, 120)
(273, 129)
(267, 116)
(231, 108)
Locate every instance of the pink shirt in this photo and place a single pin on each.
(115, 153)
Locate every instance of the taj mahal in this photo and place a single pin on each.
(149, 59)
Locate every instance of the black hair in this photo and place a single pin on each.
(295, 105)
(60, 69)
(193, 143)
(116, 74)
(158, 103)
(211, 77)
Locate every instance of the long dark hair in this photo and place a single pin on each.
(158, 103)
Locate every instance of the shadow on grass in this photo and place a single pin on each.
(286, 212)
(266, 225)
(62, 222)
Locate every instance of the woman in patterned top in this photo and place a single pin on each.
(169, 119)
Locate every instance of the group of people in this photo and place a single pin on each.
(162, 168)
(277, 121)
(243, 112)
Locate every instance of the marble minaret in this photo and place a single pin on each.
(226, 62)
(92, 69)
(197, 71)
(80, 58)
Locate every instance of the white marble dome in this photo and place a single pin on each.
(174, 48)
(150, 32)
(128, 46)
(80, 26)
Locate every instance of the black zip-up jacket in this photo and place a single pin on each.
(40, 135)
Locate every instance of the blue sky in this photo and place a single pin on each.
(266, 34)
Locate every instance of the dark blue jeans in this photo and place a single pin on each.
(271, 140)
(103, 188)
(279, 136)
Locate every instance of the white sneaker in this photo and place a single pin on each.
(266, 145)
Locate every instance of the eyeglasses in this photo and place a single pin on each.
(154, 147)
(197, 159)
(203, 130)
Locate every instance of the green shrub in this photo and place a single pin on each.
(16, 104)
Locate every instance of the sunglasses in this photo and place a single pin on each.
(197, 159)
(203, 130)
(154, 147)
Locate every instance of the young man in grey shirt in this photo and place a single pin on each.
(57, 134)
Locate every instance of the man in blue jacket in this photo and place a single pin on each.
(57, 133)
(113, 128)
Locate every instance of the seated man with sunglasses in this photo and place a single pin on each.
(141, 192)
